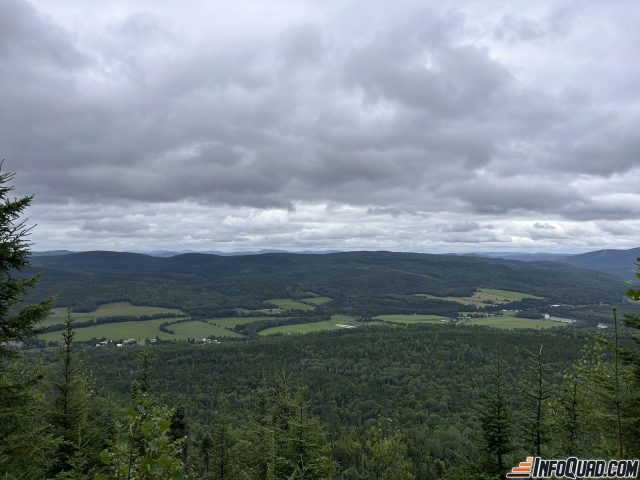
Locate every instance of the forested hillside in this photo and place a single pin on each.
(374, 282)
(411, 403)
(621, 263)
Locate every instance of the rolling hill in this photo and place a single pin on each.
(375, 282)
(615, 262)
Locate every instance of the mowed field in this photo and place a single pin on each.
(316, 300)
(199, 330)
(510, 322)
(121, 330)
(507, 294)
(332, 324)
(143, 329)
(59, 314)
(116, 331)
(231, 322)
(289, 304)
(411, 319)
(484, 297)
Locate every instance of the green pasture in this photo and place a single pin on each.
(510, 322)
(508, 294)
(289, 304)
(316, 300)
(314, 326)
(200, 330)
(116, 331)
(231, 322)
(59, 314)
(483, 297)
(411, 319)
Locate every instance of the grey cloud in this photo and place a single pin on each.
(26, 35)
(496, 195)
(462, 227)
(543, 226)
(443, 80)
(419, 115)
(302, 44)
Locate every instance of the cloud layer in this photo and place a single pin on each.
(302, 125)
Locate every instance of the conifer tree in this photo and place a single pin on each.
(19, 400)
(631, 358)
(496, 422)
(538, 391)
(608, 389)
(221, 446)
(70, 410)
(386, 454)
(205, 454)
(143, 448)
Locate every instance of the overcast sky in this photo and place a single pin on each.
(307, 124)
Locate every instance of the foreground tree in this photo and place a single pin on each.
(386, 454)
(18, 398)
(287, 441)
(76, 439)
(538, 391)
(631, 358)
(145, 448)
(495, 419)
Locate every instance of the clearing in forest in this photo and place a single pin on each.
(289, 304)
(118, 309)
(337, 322)
(483, 297)
(411, 319)
(510, 322)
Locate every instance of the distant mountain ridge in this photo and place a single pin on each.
(621, 263)
(356, 281)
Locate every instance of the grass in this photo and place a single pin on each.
(199, 330)
(219, 327)
(485, 296)
(411, 319)
(231, 322)
(59, 314)
(314, 326)
(510, 322)
(316, 300)
(508, 294)
(289, 304)
(116, 331)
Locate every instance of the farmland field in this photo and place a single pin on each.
(289, 304)
(314, 326)
(508, 321)
(199, 330)
(231, 322)
(116, 331)
(411, 319)
(316, 300)
(59, 314)
(484, 297)
(507, 294)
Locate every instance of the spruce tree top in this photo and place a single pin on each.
(17, 322)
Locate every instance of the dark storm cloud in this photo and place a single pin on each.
(429, 112)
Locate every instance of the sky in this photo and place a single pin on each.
(310, 125)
